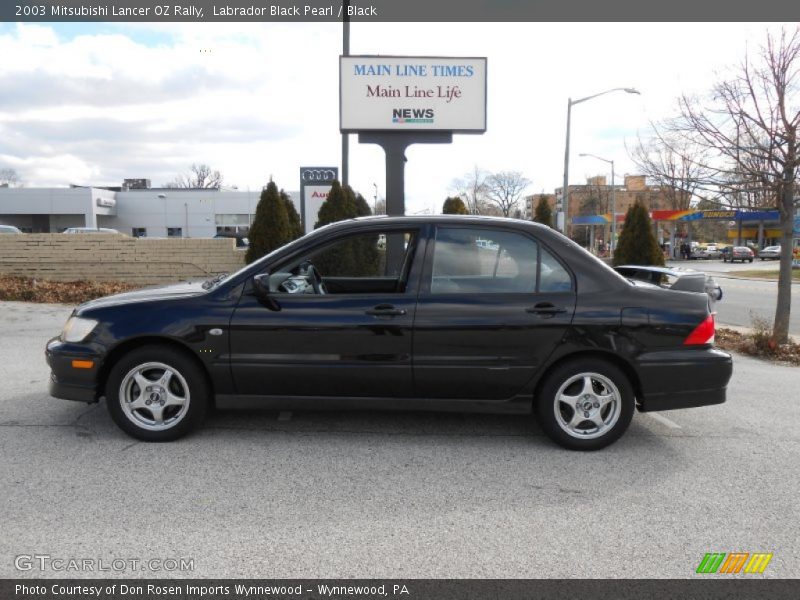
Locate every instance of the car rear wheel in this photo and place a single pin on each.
(585, 404)
(157, 394)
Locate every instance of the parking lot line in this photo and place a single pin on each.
(664, 420)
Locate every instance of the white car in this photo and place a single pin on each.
(90, 230)
(770, 252)
(676, 278)
(9, 229)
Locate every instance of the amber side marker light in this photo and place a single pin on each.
(82, 364)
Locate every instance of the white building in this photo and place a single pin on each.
(150, 212)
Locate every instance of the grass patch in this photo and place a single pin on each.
(26, 289)
(764, 274)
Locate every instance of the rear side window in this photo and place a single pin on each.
(489, 261)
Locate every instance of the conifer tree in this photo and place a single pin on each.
(543, 213)
(454, 206)
(270, 228)
(295, 227)
(637, 242)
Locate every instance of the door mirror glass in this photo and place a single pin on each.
(261, 285)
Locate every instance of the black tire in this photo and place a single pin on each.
(751, 260)
(546, 403)
(186, 418)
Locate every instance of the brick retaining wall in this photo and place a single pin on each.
(73, 257)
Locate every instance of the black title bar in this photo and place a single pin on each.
(398, 10)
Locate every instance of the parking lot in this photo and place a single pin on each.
(394, 494)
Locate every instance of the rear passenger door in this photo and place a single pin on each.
(493, 305)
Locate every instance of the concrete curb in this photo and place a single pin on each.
(726, 276)
(745, 330)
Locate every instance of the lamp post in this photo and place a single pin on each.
(565, 189)
(375, 200)
(613, 201)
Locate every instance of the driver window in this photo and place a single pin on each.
(359, 263)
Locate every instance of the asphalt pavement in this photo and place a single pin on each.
(365, 494)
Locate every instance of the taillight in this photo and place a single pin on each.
(703, 333)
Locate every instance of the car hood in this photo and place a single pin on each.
(150, 294)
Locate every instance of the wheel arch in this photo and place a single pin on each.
(608, 357)
(120, 350)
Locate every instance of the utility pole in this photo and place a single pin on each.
(345, 52)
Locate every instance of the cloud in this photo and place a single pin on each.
(100, 102)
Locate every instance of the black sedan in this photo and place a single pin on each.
(421, 313)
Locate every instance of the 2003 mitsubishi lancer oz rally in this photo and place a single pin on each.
(421, 313)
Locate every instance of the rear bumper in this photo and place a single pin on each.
(66, 381)
(683, 378)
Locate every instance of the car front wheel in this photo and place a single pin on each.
(585, 404)
(157, 394)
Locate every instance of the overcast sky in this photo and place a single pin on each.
(96, 103)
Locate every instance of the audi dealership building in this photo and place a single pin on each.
(135, 209)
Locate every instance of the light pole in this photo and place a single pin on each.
(613, 201)
(375, 200)
(565, 189)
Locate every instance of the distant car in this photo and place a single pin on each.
(676, 278)
(741, 253)
(9, 229)
(705, 252)
(770, 252)
(241, 241)
(90, 230)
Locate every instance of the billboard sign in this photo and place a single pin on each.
(412, 93)
(315, 183)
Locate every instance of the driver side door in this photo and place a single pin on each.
(354, 341)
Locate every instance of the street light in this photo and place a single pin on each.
(613, 200)
(565, 189)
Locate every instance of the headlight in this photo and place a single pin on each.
(76, 329)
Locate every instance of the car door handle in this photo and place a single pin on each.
(385, 310)
(545, 308)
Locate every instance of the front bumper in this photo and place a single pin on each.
(66, 381)
(684, 378)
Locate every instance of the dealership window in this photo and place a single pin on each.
(232, 223)
(174, 232)
(139, 232)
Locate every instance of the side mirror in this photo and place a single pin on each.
(261, 285)
(262, 292)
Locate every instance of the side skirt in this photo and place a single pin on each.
(516, 405)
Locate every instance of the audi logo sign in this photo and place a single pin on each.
(318, 174)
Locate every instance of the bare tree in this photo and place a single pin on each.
(504, 189)
(675, 164)
(199, 176)
(749, 125)
(472, 188)
(9, 178)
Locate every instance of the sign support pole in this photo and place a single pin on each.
(394, 144)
